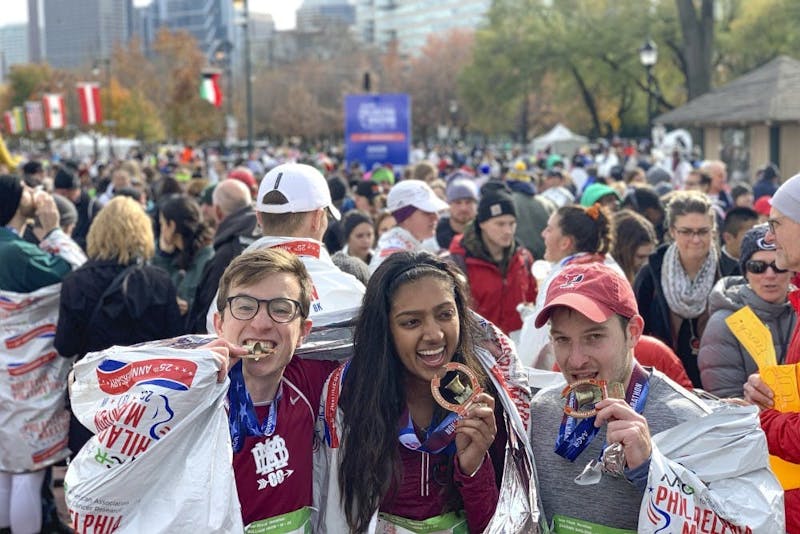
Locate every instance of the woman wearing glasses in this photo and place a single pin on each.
(724, 362)
(672, 289)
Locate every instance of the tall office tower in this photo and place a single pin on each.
(209, 21)
(410, 22)
(315, 14)
(78, 32)
(35, 43)
(13, 46)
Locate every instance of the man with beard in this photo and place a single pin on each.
(462, 195)
(594, 452)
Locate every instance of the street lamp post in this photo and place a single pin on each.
(248, 74)
(109, 122)
(648, 55)
(222, 58)
(453, 116)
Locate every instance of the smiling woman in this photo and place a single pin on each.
(403, 456)
(672, 289)
(724, 362)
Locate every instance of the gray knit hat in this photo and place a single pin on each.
(787, 198)
(461, 188)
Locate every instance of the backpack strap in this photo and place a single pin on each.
(116, 282)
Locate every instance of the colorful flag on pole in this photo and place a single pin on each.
(19, 118)
(55, 116)
(9, 123)
(210, 90)
(12, 124)
(91, 107)
(34, 116)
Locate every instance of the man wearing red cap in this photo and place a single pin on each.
(596, 476)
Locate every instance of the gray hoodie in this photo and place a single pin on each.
(724, 363)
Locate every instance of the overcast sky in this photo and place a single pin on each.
(283, 11)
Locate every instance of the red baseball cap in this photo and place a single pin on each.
(592, 289)
(762, 205)
(245, 175)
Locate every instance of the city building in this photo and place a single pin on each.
(73, 33)
(262, 40)
(317, 13)
(211, 22)
(13, 47)
(410, 22)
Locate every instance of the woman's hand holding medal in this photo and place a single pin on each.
(457, 389)
(475, 433)
(627, 427)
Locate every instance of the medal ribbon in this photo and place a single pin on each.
(573, 436)
(242, 419)
(440, 439)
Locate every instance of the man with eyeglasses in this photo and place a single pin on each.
(783, 429)
(264, 300)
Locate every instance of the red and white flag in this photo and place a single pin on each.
(34, 116)
(55, 116)
(89, 98)
(12, 127)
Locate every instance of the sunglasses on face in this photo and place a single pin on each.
(760, 267)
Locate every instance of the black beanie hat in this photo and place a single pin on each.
(495, 200)
(352, 219)
(10, 196)
(65, 179)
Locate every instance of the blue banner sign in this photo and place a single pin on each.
(377, 129)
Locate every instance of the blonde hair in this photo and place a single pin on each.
(121, 231)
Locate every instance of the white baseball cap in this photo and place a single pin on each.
(414, 193)
(303, 186)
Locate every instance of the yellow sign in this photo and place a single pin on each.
(754, 336)
(788, 474)
(783, 379)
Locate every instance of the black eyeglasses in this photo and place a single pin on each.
(759, 267)
(702, 233)
(280, 310)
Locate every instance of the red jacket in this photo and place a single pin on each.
(783, 429)
(793, 350)
(495, 296)
(783, 440)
